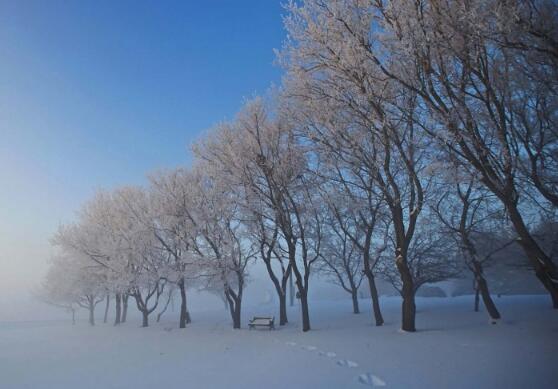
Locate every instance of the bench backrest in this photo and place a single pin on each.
(262, 320)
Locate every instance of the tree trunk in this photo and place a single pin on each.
(106, 309)
(302, 286)
(487, 299)
(354, 294)
(73, 316)
(124, 308)
(305, 312)
(118, 310)
(92, 313)
(282, 309)
(408, 308)
(234, 309)
(408, 312)
(375, 298)
(545, 269)
(160, 314)
(477, 299)
(371, 280)
(280, 288)
(184, 314)
(236, 317)
(145, 317)
(291, 290)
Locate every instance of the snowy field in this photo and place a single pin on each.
(454, 348)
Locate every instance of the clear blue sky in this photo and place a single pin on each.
(94, 94)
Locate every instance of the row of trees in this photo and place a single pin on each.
(403, 132)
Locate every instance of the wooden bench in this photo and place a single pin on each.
(260, 321)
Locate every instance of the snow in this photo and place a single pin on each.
(454, 347)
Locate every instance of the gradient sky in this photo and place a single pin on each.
(94, 94)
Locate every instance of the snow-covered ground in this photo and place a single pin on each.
(454, 348)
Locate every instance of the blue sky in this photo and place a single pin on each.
(94, 94)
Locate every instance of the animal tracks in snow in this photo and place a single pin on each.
(347, 363)
(370, 379)
(367, 379)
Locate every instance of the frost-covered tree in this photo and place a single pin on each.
(432, 257)
(219, 240)
(349, 108)
(341, 261)
(72, 279)
(91, 236)
(173, 229)
(355, 225)
(468, 212)
(114, 231)
(261, 159)
(56, 291)
(146, 263)
(235, 150)
(476, 79)
(481, 73)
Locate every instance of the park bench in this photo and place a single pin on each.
(259, 321)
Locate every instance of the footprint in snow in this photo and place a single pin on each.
(292, 344)
(329, 354)
(347, 363)
(309, 348)
(370, 379)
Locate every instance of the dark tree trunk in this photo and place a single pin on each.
(354, 295)
(302, 287)
(487, 299)
(371, 279)
(106, 309)
(408, 308)
(408, 312)
(305, 311)
(477, 298)
(118, 310)
(234, 309)
(287, 275)
(92, 313)
(160, 314)
(145, 319)
(236, 317)
(280, 288)
(282, 309)
(184, 314)
(291, 291)
(375, 298)
(124, 308)
(303, 294)
(545, 269)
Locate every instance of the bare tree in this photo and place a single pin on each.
(219, 238)
(269, 168)
(355, 211)
(340, 260)
(431, 258)
(466, 63)
(467, 212)
(172, 228)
